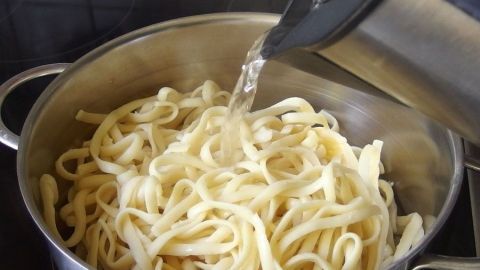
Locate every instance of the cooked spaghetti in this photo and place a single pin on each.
(150, 190)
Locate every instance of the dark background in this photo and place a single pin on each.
(37, 32)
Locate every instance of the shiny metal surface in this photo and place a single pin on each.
(429, 64)
(7, 137)
(423, 159)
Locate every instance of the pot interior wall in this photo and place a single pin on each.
(417, 153)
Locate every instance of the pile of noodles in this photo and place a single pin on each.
(150, 191)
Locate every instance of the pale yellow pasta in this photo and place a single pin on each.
(150, 191)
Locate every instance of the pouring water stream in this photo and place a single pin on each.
(242, 100)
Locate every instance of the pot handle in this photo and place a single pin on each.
(7, 137)
(472, 163)
(439, 262)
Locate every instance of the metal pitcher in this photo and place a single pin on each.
(424, 53)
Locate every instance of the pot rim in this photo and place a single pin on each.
(454, 140)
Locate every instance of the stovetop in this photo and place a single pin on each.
(37, 32)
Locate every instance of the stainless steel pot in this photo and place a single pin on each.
(424, 160)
